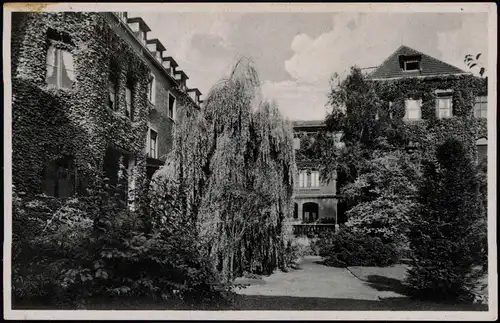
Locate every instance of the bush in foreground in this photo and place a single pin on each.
(66, 252)
(346, 248)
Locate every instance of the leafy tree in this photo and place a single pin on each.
(232, 163)
(382, 197)
(473, 61)
(370, 148)
(444, 244)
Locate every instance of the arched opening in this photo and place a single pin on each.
(296, 211)
(310, 212)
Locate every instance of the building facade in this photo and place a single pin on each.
(315, 198)
(434, 99)
(429, 100)
(93, 97)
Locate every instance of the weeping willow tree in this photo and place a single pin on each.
(230, 174)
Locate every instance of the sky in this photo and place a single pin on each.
(296, 53)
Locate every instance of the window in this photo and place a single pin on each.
(413, 109)
(480, 107)
(301, 179)
(444, 106)
(113, 93)
(296, 143)
(171, 106)
(60, 177)
(60, 70)
(153, 144)
(482, 150)
(152, 89)
(412, 65)
(309, 179)
(128, 99)
(315, 179)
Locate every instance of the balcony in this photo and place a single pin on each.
(312, 229)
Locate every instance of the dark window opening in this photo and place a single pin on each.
(116, 161)
(171, 106)
(296, 211)
(60, 178)
(150, 170)
(59, 36)
(412, 66)
(310, 212)
(410, 63)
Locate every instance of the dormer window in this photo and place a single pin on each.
(410, 63)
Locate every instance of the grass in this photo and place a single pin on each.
(260, 302)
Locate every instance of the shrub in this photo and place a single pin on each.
(69, 251)
(445, 237)
(347, 248)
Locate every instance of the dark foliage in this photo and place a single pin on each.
(444, 238)
(68, 252)
(345, 249)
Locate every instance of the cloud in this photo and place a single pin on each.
(197, 41)
(206, 46)
(297, 101)
(366, 40)
(470, 38)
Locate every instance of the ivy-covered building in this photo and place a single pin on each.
(434, 100)
(92, 97)
(427, 99)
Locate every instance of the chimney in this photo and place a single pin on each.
(122, 16)
(156, 48)
(169, 64)
(181, 77)
(139, 28)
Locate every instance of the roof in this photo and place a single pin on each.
(159, 45)
(182, 74)
(142, 24)
(429, 66)
(194, 90)
(171, 60)
(308, 123)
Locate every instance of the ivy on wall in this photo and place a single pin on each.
(431, 131)
(49, 123)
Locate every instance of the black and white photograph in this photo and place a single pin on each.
(250, 161)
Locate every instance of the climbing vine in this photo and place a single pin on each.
(50, 123)
(431, 131)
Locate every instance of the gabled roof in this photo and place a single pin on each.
(429, 66)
